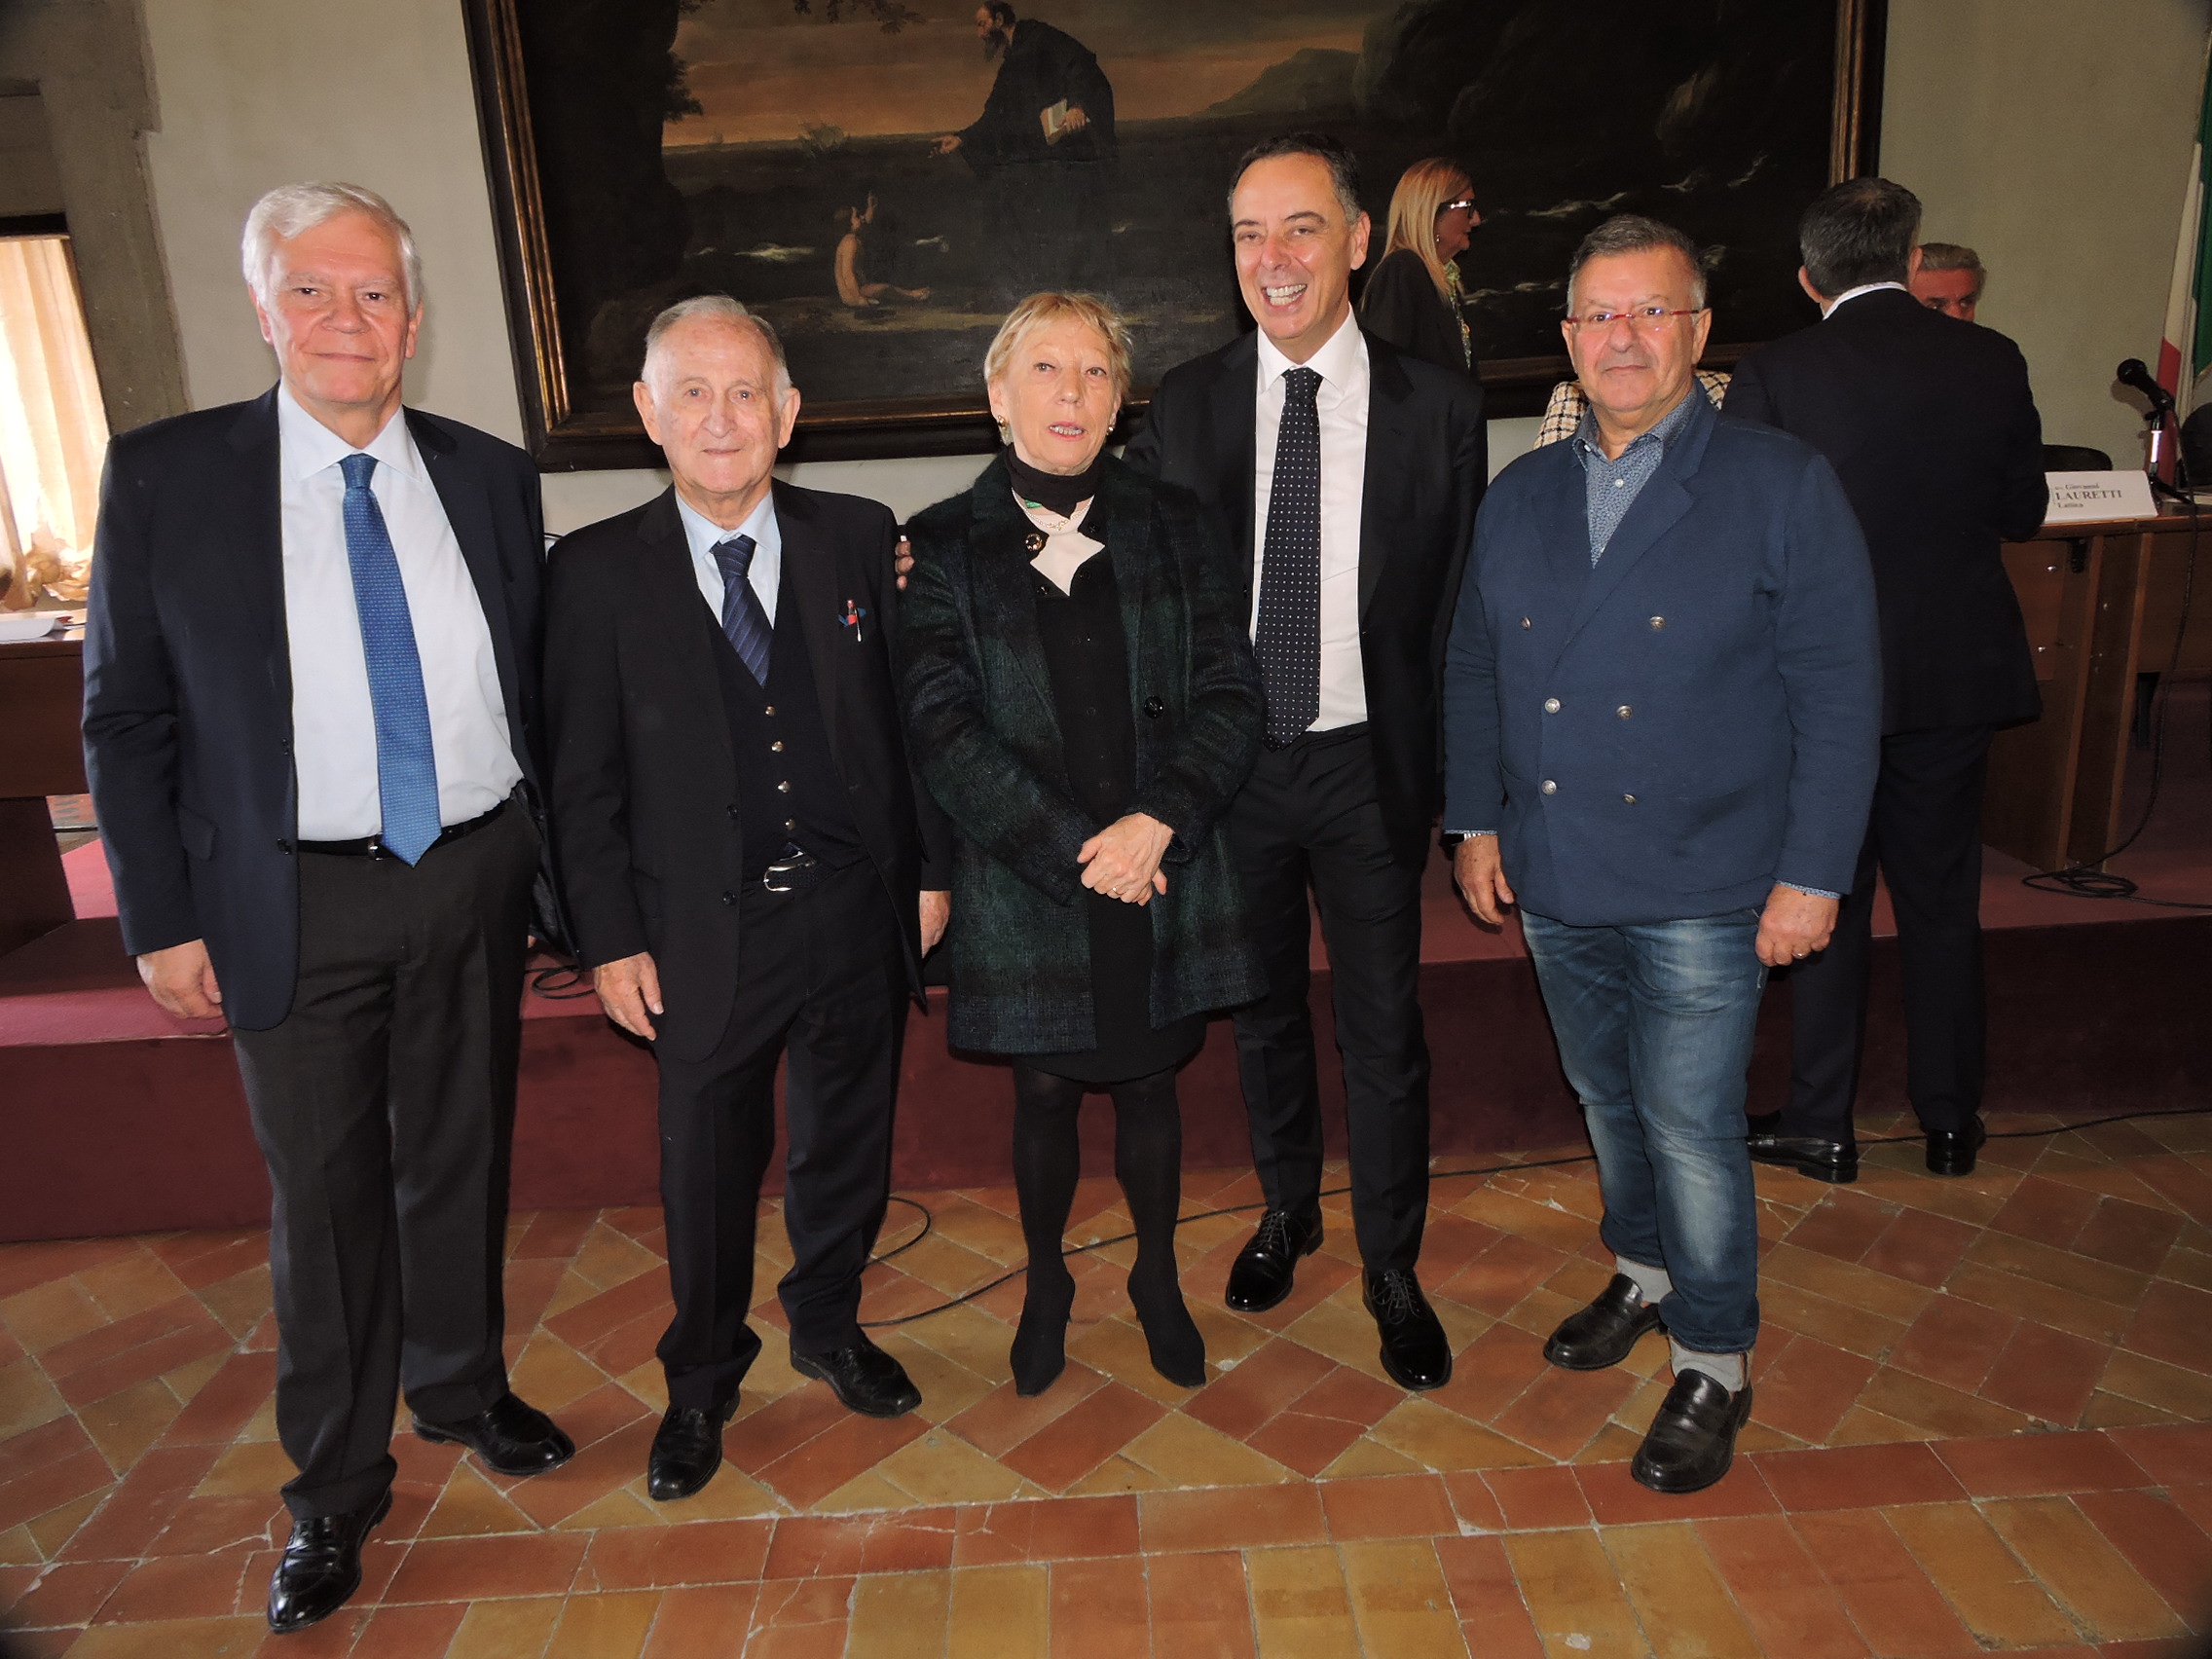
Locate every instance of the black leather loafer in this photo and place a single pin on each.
(867, 1379)
(1692, 1439)
(1952, 1152)
(1266, 1269)
(1822, 1160)
(687, 1450)
(1415, 1353)
(510, 1437)
(320, 1567)
(1603, 1333)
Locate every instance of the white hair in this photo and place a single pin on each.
(291, 209)
(719, 308)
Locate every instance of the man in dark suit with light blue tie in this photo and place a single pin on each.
(1662, 701)
(310, 701)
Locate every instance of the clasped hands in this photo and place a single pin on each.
(1122, 860)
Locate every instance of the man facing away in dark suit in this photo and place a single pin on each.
(1660, 725)
(310, 707)
(1931, 425)
(1346, 476)
(744, 854)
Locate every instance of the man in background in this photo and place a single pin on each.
(1042, 150)
(1949, 280)
(310, 725)
(1344, 475)
(1931, 427)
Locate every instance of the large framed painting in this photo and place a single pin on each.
(882, 178)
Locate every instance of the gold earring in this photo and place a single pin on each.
(1006, 433)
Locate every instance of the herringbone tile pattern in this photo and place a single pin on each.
(1980, 1424)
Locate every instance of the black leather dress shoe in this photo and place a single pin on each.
(510, 1437)
(868, 1380)
(1415, 1353)
(1266, 1269)
(1692, 1440)
(687, 1450)
(1822, 1160)
(1601, 1334)
(322, 1566)
(1952, 1152)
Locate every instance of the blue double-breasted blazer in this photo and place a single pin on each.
(1669, 732)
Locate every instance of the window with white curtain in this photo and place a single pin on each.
(53, 428)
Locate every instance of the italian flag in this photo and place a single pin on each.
(2185, 350)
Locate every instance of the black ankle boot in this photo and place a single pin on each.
(1178, 1349)
(1040, 1340)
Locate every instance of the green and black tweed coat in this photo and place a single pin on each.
(984, 734)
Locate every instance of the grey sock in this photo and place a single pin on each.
(1651, 1283)
(1729, 1370)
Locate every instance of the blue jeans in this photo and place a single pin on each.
(1654, 1025)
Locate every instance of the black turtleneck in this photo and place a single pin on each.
(1056, 492)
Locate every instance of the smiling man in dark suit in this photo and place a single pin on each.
(1931, 425)
(310, 707)
(1346, 476)
(743, 851)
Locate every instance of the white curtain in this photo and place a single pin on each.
(52, 426)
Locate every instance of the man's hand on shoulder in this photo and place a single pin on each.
(903, 561)
(1480, 873)
(182, 980)
(629, 989)
(1794, 925)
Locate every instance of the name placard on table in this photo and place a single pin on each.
(2083, 497)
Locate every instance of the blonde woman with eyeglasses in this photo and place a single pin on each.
(1414, 299)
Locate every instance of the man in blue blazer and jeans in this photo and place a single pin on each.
(1662, 710)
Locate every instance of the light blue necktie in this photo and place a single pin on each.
(407, 770)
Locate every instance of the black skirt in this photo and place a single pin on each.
(1087, 650)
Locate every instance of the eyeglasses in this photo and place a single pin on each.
(1644, 319)
(1467, 202)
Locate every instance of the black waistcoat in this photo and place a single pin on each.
(791, 793)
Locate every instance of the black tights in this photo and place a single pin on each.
(1147, 1161)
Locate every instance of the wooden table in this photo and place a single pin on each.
(2102, 603)
(42, 698)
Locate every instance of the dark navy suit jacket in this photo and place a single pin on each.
(188, 676)
(1717, 676)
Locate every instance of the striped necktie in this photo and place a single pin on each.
(407, 768)
(744, 619)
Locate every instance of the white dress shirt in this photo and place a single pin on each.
(334, 732)
(762, 575)
(1850, 294)
(1340, 402)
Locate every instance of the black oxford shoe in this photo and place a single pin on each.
(1952, 1152)
(1266, 1269)
(1692, 1439)
(1601, 1334)
(510, 1438)
(867, 1379)
(322, 1566)
(1824, 1160)
(1415, 1353)
(687, 1450)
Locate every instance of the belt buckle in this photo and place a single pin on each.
(793, 872)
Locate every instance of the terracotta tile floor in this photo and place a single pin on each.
(1981, 1425)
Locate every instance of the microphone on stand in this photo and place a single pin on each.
(2165, 446)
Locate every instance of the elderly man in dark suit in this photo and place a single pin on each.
(1345, 476)
(310, 711)
(743, 852)
(1660, 721)
(1931, 425)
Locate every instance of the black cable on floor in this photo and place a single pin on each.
(2086, 879)
(1011, 1273)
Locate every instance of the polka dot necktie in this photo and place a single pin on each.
(407, 769)
(745, 619)
(1287, 640)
